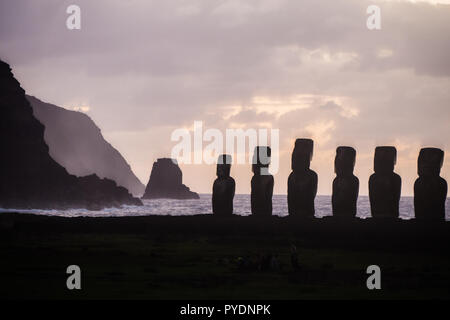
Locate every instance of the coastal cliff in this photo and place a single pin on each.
(76, 143)
(29, 176)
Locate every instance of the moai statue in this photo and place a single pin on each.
(302, 182)
(346, 184)
(430, 190)
(223, 188)
(262, 183)
(385, 185)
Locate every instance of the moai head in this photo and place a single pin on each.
(302, 154)
(261, 160)
(430, 162)
(223, 166)
(385, 159)
(344, 163)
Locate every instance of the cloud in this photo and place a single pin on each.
(84, 109)
(307, 67)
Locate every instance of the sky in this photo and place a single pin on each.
(142, 69)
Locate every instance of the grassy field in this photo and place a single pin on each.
(201, 258)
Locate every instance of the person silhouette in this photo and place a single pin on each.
(430, 190)
(223, 188)
(262, 183)
(302, 182)
(385, 185)
(346, 184)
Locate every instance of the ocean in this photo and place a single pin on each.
(203, 206)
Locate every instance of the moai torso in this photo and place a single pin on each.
(430, 190)
(223, 188)
(261, 195)
(261, 184)
(302, 182)
(385, 184)
(345, 185)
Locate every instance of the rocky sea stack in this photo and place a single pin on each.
(166, 182)
(29, 177)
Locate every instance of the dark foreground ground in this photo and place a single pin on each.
(203, 257)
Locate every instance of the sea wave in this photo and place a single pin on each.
(203, 206)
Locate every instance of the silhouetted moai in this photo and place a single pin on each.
(223, 187)
(346, 184)
(430, 190)
(385, 185)
(262, 183)
(302, 182)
